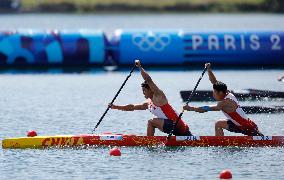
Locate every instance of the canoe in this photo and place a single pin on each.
(246, 94)
(133, 140)
(262, 109)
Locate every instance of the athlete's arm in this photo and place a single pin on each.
(148, 78)
(212, 77)
(130, 107)
(202, 109)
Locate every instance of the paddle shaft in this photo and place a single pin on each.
(188, 100)
(114, 98)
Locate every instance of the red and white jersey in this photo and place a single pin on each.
(238, 117)
(166, 112)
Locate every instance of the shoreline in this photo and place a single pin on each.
(174, 6)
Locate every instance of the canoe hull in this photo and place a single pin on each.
(241, 95)
(132, 140)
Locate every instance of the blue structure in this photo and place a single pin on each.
(52, 47)
(90, 47)
(179, 47)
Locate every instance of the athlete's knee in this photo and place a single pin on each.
(156, 122)
(150, 122)
(217, 124)
(221, 124)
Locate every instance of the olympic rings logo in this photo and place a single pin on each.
(151, 41)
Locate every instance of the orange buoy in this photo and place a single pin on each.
(226, 174)
(31, 133)
(115, 152)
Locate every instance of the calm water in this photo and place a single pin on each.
(72, 104)
(108, 23)
(57, 103)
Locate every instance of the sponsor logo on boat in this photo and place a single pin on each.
(10, 144)
(187, 138)
(112, 137)
(62, 141)
(262, 138)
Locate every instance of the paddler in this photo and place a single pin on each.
(157, 103)
(236, 119)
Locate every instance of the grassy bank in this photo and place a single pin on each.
(93, 6)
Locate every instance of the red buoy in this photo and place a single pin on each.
(31, 133)
(115, 152)
(226, 174)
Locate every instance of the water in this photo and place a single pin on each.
(108, 23)
(72, 103)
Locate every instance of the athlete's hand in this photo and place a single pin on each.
(111, 106)
(208, 65)
(137, 63)
(188, 108)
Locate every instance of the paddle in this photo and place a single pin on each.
(114, 99)
(281, 79)
(191, 94)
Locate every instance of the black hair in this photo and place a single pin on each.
(220, 87)
(145, 85)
